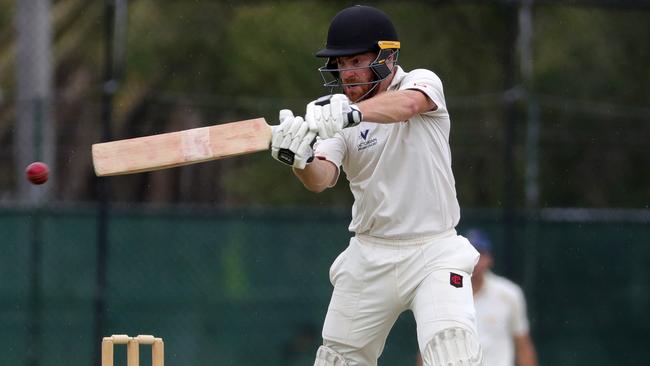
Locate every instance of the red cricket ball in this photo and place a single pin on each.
(37, 172)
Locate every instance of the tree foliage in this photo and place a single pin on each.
(192, 63)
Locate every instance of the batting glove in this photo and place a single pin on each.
(292, 140)
(332, 113)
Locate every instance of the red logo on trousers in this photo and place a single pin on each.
(455, 280)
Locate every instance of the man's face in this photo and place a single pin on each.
(359, 73)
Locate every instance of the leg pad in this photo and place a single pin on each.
(453, 347)
(326, 356)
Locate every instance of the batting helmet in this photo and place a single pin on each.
(358, 29)
(355, 30)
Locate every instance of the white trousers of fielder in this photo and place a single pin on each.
(375, 280)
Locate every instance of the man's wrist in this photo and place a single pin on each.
(354, 117)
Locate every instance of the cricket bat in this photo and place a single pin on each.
(168, 150)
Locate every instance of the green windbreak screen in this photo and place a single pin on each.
(251, 287)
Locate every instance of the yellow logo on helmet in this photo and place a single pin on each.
(388, 44)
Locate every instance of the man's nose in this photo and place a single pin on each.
(345, 74)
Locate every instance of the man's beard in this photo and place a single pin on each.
(358, 93)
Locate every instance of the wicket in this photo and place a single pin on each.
(133, 349)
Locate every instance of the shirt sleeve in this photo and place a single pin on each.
(519, 316)
(428, 83)
(332, 150)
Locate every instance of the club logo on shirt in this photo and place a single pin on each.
(366, 143)
(455, 280)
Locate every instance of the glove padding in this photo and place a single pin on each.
(332, 113)
(292, 140)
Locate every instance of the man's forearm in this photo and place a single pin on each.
(317, 176)
(395, 106)
(525, 351)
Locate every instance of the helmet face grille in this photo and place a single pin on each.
(331, 74)
(358, 29)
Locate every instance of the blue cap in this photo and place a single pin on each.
(479, 240)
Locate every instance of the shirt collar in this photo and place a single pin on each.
(397, 80)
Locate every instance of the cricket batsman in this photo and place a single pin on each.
(389, 132)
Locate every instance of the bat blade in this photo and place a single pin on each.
(168, 150)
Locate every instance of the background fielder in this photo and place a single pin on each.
(500, 310)
(389, 132)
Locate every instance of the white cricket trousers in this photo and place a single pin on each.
(375, 280)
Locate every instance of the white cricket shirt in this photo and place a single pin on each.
(399, 173)
(501, 315)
